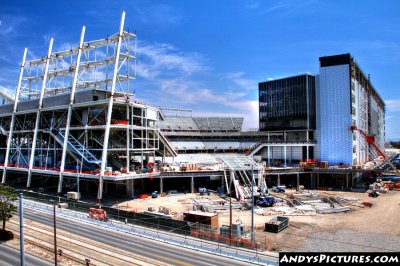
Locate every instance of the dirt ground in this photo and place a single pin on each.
(382, 218)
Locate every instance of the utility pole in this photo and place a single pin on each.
(21, 230)
(252, 204)
(232, 174)
(55, 238)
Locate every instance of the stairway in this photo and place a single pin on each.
(76, 149)
(387, 165)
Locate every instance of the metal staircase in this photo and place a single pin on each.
(75, 149)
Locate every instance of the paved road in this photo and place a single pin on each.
(10, 257)
(141, 246)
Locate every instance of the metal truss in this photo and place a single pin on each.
(73, 113)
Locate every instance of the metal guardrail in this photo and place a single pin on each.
(254, 257)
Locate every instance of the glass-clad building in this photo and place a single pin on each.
(347, 98)
(287, 104)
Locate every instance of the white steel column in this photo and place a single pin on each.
(44, 80)
(69, 114)
(10, 133)
(109, 110)
(269, 155)
(285, 157)
(127, 138)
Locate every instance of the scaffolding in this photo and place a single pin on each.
(74, 114)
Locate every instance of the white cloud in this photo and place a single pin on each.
(66, 46)
(9, 25)
(281, 7)
(175, 73)
(238, 79)
(393, 105)
(160, 14)
(160, 59)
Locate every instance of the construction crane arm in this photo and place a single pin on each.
(369, 139)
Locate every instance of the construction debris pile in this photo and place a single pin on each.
(308, 203)
(211, 205)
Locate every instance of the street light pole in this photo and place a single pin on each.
(232, 174)
(21, 230)
(252, 204)
(55, 238)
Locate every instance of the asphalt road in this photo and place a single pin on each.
(141, 246)
(10, 257)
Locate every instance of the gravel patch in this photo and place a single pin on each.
(351, 241)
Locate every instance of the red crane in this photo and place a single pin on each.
(370, 140)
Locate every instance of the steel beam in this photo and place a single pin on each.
(38, 113)
(127, 139)
(69, 114)
(109, 110)
(10, 134)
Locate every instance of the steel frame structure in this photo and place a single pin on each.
(73, 114)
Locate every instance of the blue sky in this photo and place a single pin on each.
(210, 55)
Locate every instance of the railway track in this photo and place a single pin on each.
(76, 249)
(50, 250)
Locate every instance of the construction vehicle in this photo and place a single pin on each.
(98, 214)
(203, 191)
(264, 200)
(371, 141)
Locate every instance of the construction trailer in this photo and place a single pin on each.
(74, 114)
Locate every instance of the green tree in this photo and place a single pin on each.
(7, 206)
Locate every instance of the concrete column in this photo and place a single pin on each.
(279, 180)
(161, 185)
(312, 180)
(298, 180)
(269, 155)
(308, 152)
(232, 179)
(129, 188)
(284, 154)
(317, 179)
(192, 184)
(105, 187)
(347, 180)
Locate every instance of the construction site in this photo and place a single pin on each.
(73, 129)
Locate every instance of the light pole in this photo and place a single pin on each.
(55, 237)
(232, 175)
(21, 229)
(252, 204)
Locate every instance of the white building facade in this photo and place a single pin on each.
(347, 98)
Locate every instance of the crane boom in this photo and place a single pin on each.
(370, 140)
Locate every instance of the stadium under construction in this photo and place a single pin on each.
(73, 124)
